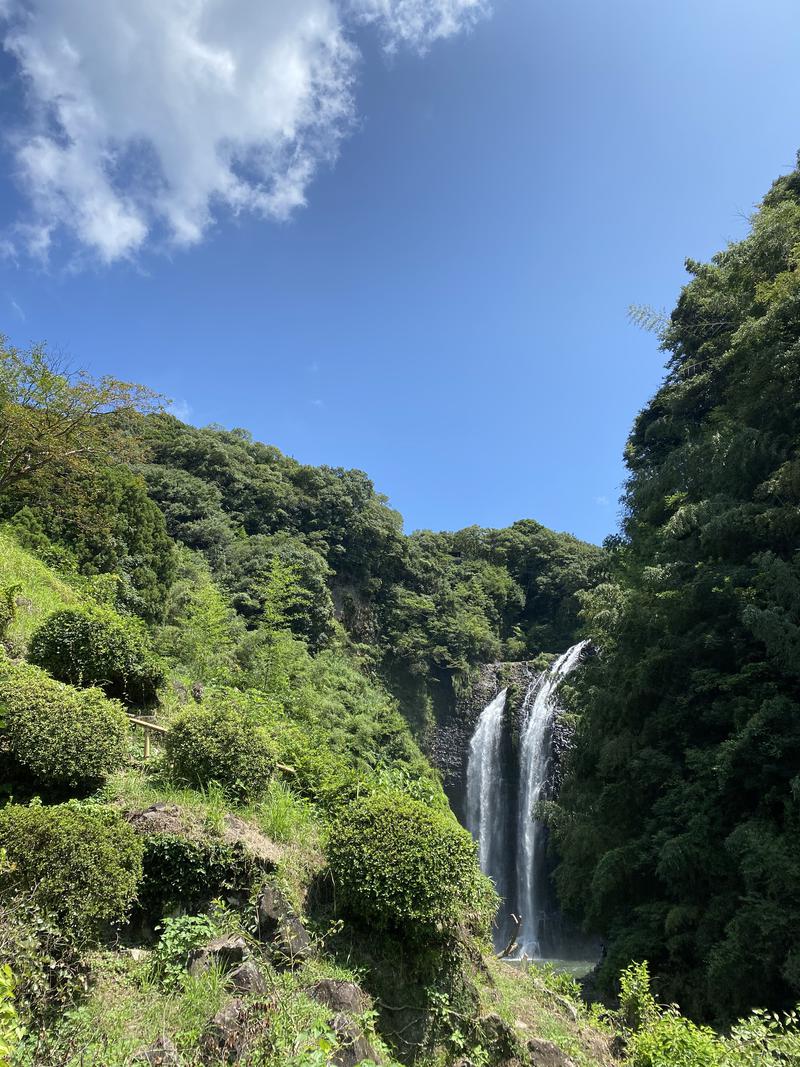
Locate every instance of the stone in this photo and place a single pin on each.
(247, 978)
(280, 927)
(238, 833)
(272, 906)
(225, 952)
(354, 1048)
(546, 1054)
(225, 1037)
(500, 1037)
(339, 995)
(157, 819)
(291, 945)
(162, 1053)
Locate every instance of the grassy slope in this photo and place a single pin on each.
(42, 590)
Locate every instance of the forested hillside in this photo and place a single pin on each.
(679, 824)
(422, 609)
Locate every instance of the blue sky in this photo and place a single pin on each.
(447, 311)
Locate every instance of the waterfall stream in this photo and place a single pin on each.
(511, 843)
(536, 751)
(486, 801)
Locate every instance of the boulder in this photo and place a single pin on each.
(224, 1039)
(225, 952)
(272, 906)
(545, 1054)
(354, 1048)
(291, 945)
(171, 819)
(500, 1037)
(339, 995)
(236, 831)
(281, 929)
(162, 1053)
(157, 819)
(247, 978)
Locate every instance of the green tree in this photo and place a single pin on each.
(53, 419)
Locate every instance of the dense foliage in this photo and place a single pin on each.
(680, 824)
(59, 735)
(219, 744)
(97, 647)
(395, 862)
(80, 862)
(426, 604)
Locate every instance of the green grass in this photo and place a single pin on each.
(42, 591)
(534, 998)
(279, 813)
(124, 1012)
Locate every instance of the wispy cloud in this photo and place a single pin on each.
(181, 410)
(418, 23)
(318, 403)
(17, 309)
(147, 120)
(602, 501)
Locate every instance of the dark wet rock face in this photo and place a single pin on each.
(456, 725)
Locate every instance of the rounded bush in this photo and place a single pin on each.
(81, 862)
(398, 863)
(95, 646)
(220, 745)
(60, 735)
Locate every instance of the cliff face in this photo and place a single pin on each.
(457, 717)
(456, 721)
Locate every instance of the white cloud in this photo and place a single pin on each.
(149, 118)
(418, 23)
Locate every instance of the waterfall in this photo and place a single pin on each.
(486, 799)
(535, 753)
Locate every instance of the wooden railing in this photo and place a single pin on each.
(149, 728)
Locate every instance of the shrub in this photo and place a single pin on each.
(177, 871)
(48, 969)
(223, 746)
(95, 646)
(79, 862)
(398, 863)
(60, 735)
